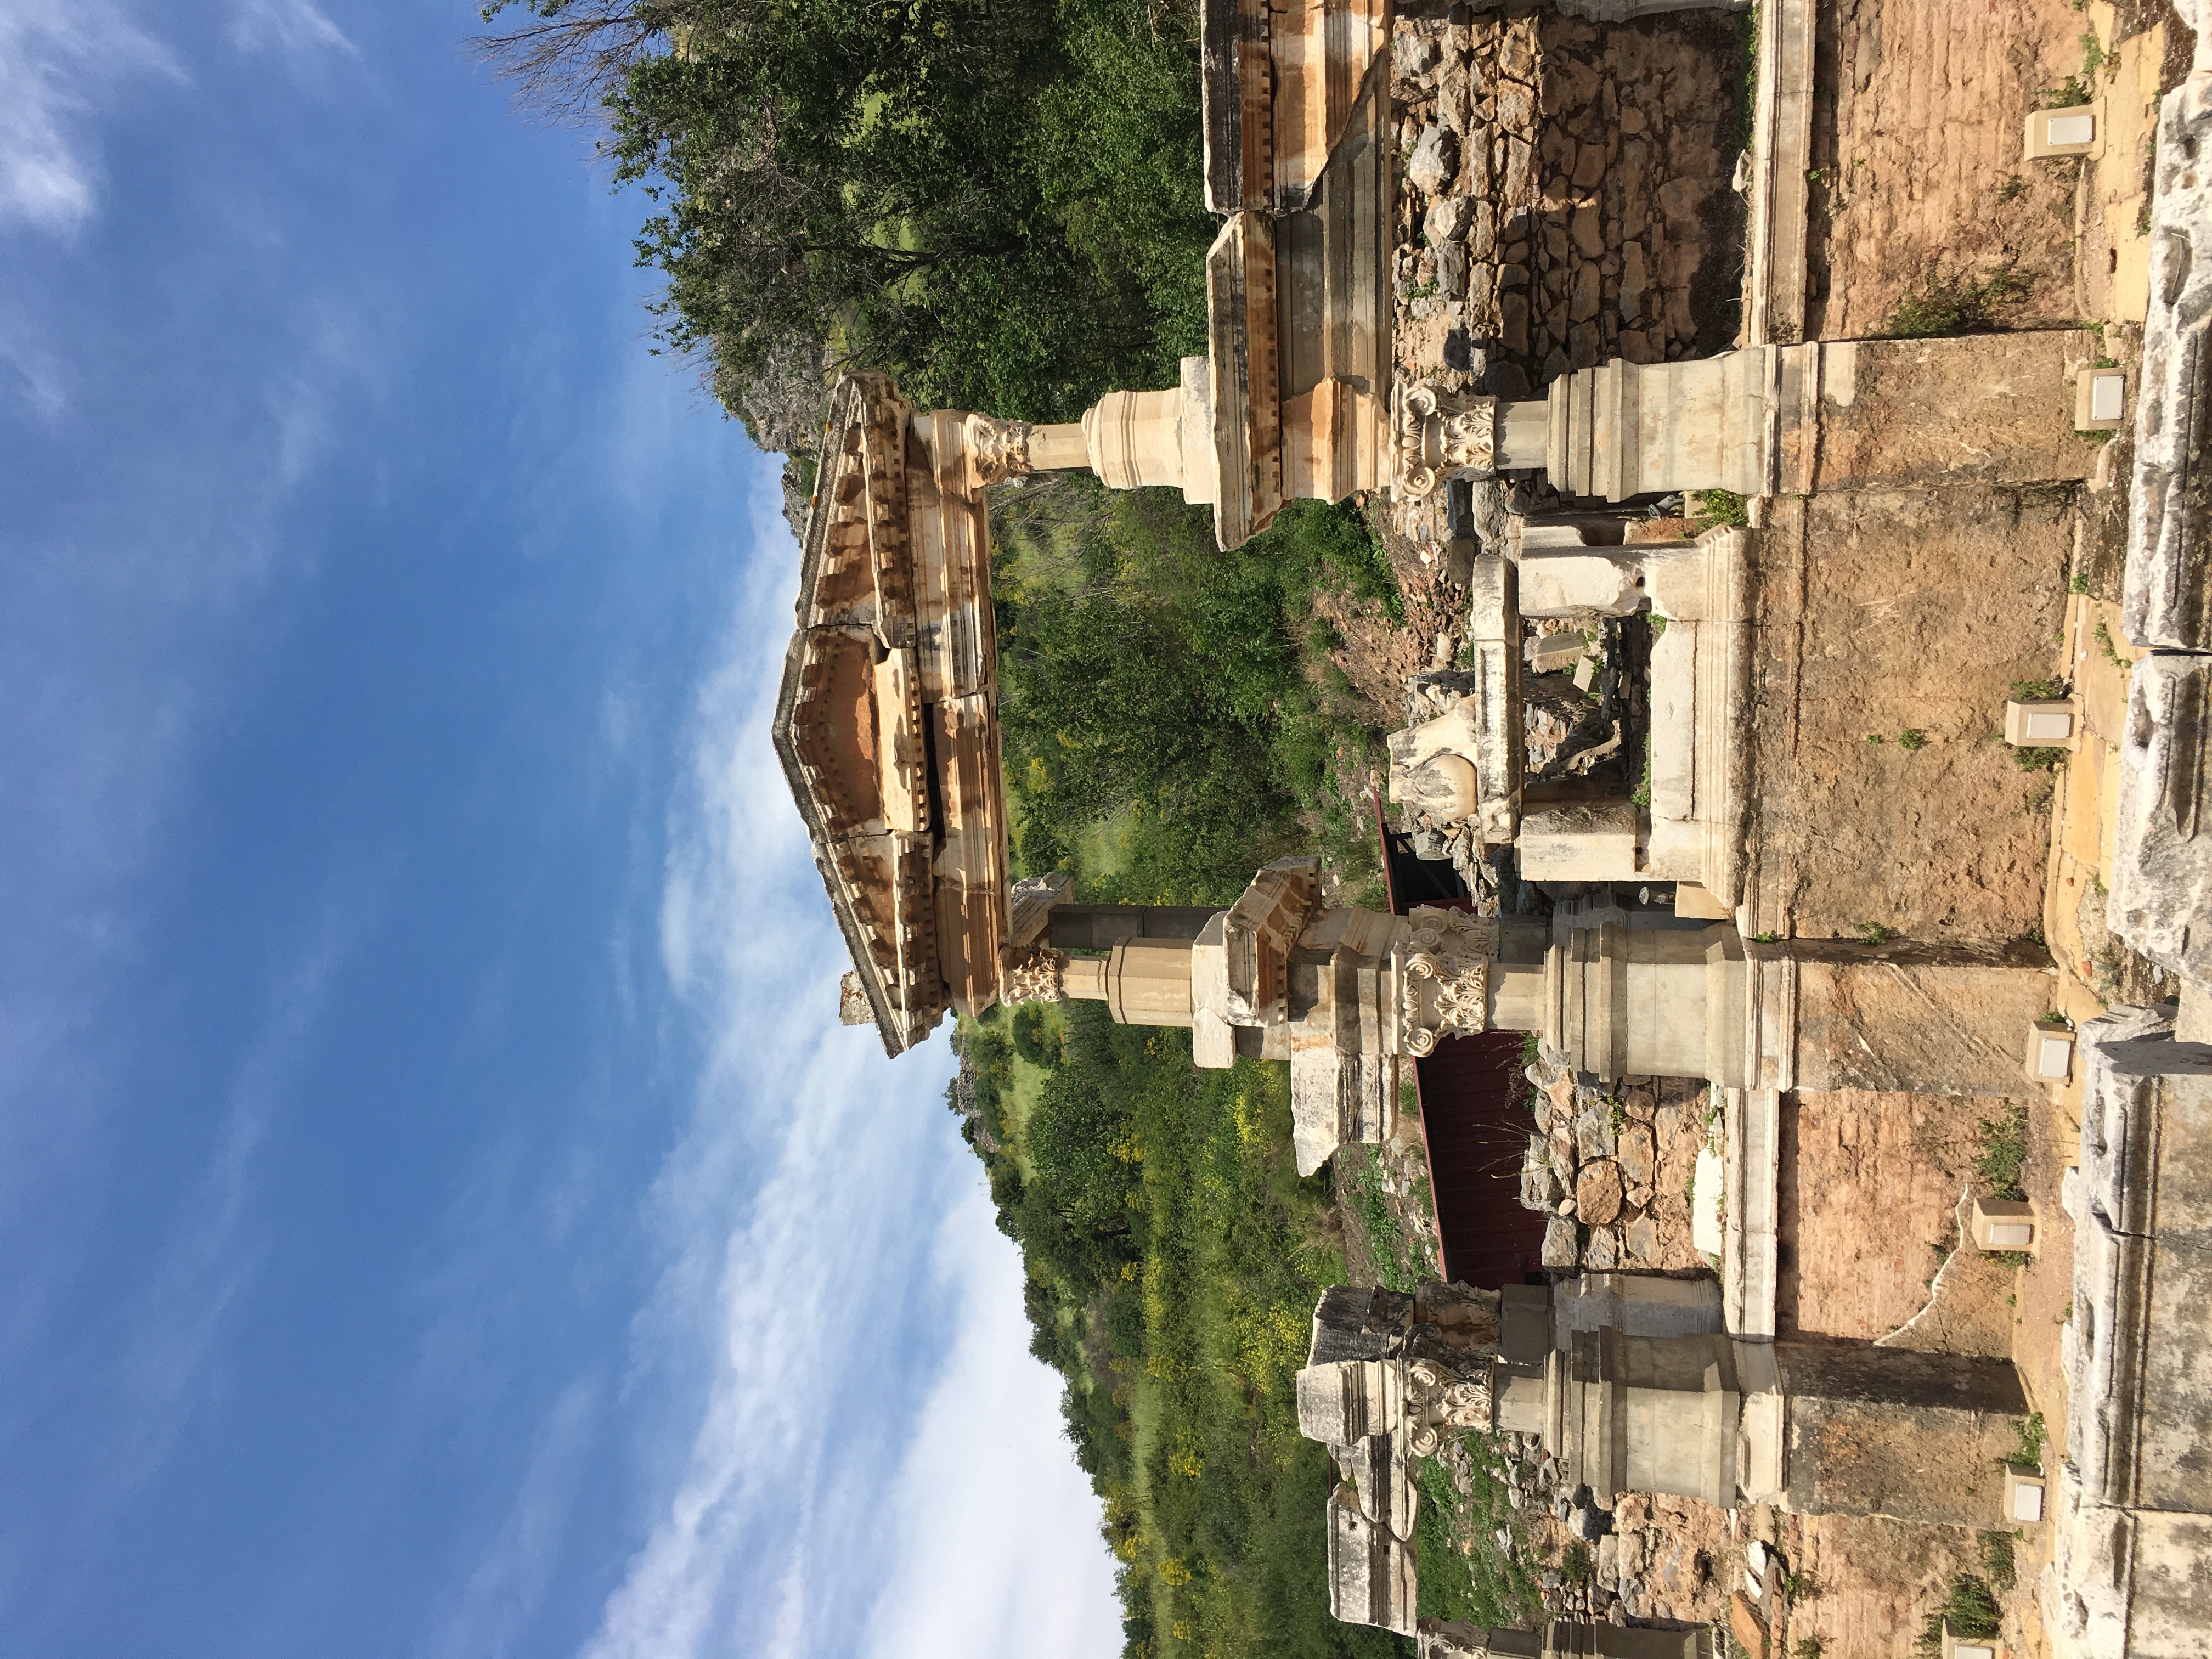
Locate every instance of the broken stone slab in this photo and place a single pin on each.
(1603, 1253)
(1388, 1493)
(1593, 1130)
(1371, 1573)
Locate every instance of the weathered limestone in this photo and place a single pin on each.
(1629, 1382)
(887, 720)
(2168, 577)
(2161, 877)
(1892, 1431)
(1837, 1014)
(1640, 994)
(2134, 1498)
(1561, 1638)
(1386, 1377)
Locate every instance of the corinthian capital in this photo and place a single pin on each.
(1437, 433)
(997, 450)
(1031, 973)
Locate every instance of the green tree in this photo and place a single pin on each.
(997, 200)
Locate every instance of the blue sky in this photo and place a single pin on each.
(441, 1214)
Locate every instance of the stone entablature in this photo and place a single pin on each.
(2134, 1510)
(887, 720)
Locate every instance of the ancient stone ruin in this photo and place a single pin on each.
(1507, 276)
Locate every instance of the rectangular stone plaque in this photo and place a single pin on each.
(2049, 723)
(2077, 131)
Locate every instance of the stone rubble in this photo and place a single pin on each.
(1543, 155)
(1592, 1164)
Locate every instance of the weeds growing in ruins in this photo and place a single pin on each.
(1399, 1263)
(2033, 1437)
(1809, 1647)
(1950, 305)
(2038, 690)
(1874, 933)
(1970, 1608)
(1492, 1583)
(1912, 739)
(2003, 1152)
(1998, 1559)
(2106, 647)
(2037, 759)
(1743, 120)
(1718, 507)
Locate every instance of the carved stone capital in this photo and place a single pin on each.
(997, 450)
(1436, 434)
(1031, 973)
(1445, 984)
(1440, 1403)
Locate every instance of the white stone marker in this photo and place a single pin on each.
(2078, 129)
(2050, 1051)
(2046, 723)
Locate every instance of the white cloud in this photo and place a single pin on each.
(503, 1596)
(872, 1456)
(998, 1549)
(294, 28)
(56, 61)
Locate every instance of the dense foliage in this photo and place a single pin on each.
(1174, 1257)
(997, 200)
(1170, 718)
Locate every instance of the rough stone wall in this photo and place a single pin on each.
(1564, 194)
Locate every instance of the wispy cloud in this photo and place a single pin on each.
(852, 1315)
(298, 29)
(501, 1598)
(56, 65)
(996, 1544)
(211, 1257)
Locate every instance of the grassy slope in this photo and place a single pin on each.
(1180, 1353)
